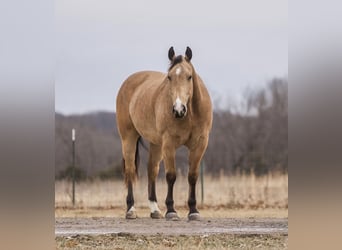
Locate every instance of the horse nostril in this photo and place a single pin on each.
(183, 109)
(179, 113)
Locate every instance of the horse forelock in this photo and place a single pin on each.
(176, 60)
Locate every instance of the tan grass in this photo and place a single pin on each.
(224, 192)
(119, 212)
(138, 242)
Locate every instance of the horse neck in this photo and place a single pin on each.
(197, 95)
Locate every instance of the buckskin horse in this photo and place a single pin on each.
(168, 110)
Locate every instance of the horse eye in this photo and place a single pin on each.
(169, 77)
(189, 78)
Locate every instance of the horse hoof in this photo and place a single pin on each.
(156, 215)
(194, 216)
(131, 215)
(172, 216)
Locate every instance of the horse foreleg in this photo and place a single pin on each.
(169, 154)
(153, 170)
(195, 158)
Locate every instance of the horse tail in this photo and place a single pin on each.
(137, 156)
(124, 169)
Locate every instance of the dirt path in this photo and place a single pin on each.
(147, 226)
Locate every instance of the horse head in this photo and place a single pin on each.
(180, 79)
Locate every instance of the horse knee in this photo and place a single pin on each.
(171, 177)
(192, 178)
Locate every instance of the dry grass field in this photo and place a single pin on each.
(238, 197)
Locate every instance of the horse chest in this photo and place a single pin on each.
(178, 133)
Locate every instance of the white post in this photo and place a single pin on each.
(73, 137)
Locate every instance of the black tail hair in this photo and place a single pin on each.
(137, 156)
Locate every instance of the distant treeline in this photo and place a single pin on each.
(253, 139)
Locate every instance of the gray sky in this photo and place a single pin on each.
(100, 43)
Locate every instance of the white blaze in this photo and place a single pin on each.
(153, 206)
(178, 70)
(178, 105)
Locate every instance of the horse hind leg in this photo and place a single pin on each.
(153, 170)
(130, 169)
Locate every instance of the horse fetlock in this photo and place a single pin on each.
(169, 204)
(193, 209)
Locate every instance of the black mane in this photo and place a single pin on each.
(176, 60)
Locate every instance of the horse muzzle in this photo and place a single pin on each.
(179, 111)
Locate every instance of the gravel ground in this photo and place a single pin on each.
(145, 233)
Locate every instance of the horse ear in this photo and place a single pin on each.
(171, 53)
(188, 53)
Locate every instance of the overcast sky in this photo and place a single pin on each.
(100, 43)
